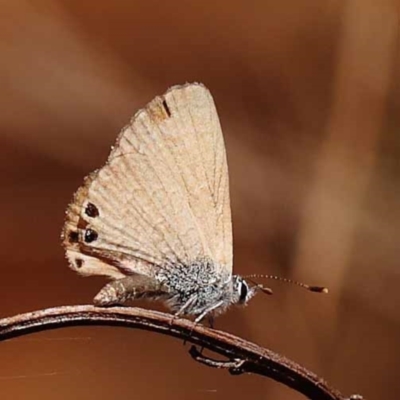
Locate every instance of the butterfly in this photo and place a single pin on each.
(156, 218)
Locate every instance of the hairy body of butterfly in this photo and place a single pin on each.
(196, 289)
(156, 218)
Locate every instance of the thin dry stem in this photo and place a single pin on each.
(242, 356)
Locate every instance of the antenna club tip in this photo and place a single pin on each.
(318, 289)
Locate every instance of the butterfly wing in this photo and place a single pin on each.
(161, 198)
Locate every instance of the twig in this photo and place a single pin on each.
(243, 356)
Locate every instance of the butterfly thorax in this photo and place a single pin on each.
(201, 287)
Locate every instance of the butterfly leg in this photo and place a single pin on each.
(200, 317)
(210, 319)
(207, 311)
(182, 309)
(130, 287)
(185, 306)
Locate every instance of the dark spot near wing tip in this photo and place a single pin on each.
(166, 108)
(90, 235)
(73, 236)
(78, 262)
(91, 210)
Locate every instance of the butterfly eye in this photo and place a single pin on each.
(90, 235)
(91, 210)
(243, 292)
(78, 263)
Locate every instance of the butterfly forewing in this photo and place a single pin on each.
(163, 195)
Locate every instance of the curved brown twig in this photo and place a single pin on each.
(243, 356)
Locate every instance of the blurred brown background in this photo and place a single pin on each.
(308, 96)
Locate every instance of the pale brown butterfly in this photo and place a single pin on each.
(156, 219)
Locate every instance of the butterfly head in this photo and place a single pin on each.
(243, 291)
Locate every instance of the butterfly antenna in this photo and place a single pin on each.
(316, 289)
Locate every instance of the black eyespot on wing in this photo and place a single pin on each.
(91, 210)
(73, 236)
(90, 235)
(78, 262)
(166, 108)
